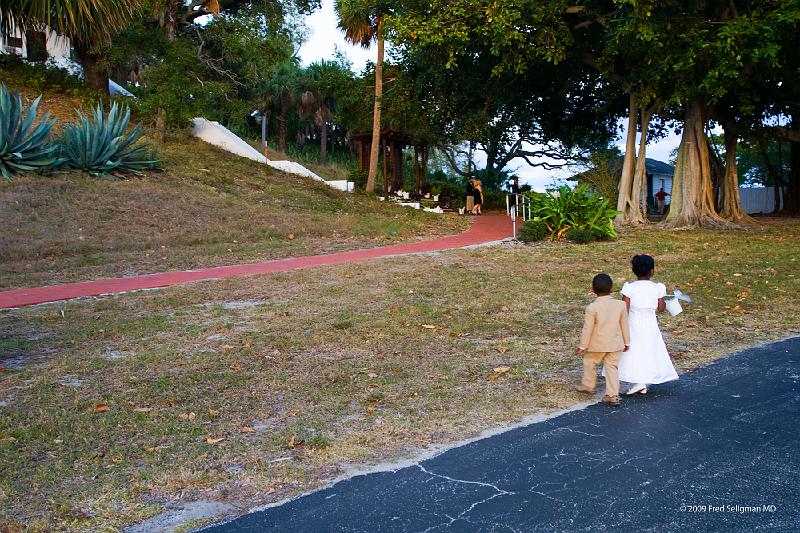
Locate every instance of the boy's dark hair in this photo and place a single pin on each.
(602, 284)
(642, 265)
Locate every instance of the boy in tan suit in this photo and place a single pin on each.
(605, 336)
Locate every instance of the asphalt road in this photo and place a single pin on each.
(718, 450)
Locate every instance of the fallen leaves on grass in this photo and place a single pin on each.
(428, 326)
(214, 441)
(247, 429)
(502, 348)
(142, 409)
(187, 416)
(101, 408)
(294, 442)
(499, 371)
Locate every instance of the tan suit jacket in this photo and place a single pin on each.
(605, 326)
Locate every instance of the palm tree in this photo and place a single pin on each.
(326, 79)
(86, 23)
(362, 22)
(284, 85)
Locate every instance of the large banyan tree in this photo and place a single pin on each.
(682, 57)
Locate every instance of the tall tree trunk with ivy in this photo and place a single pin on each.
(376, 116)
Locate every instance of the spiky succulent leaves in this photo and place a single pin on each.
(101, 146)
(24, 146)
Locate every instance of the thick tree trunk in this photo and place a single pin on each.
(692, 202)
(323, 144)
(94, 76)
(376, 116)
(730, 204)
(638, 206)
(625, 202)
(791, 200)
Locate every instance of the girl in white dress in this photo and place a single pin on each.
(647, 360)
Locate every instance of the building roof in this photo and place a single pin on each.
(654, 166)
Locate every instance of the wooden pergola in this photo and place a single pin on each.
(392, 144)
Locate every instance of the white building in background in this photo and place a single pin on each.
(45, 45)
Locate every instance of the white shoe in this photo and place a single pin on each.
(639, 388)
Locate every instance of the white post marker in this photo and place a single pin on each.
(514, 219)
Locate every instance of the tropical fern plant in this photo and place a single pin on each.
(577, 208)
(101, 146)
(24, 144)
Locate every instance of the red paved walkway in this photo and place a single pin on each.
(484, 229)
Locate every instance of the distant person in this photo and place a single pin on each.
(470, 196)
(647, 362)
(478, 198)
(603, 339)
(513, 201)
(661, 197)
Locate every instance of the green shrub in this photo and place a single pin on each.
(44, 77)
(577, 208)
(359, 179)
(101, 146)
(581, 236)
(493, 199)
(24, 147)
(452, 195)
(533, 231)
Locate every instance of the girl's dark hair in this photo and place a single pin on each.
(642, 265)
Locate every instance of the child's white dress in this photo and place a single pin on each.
(647, 360)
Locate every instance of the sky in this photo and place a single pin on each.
(324, 38)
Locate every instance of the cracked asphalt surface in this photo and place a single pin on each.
(718, 450)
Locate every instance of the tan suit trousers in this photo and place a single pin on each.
(610, 361)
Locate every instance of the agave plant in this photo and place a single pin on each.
(24, 146)
(101, 145)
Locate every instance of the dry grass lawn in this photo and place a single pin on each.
(253, 390)
(207, 208)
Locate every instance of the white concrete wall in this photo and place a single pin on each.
(58, 48)
(667, 185)
(220, 136)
